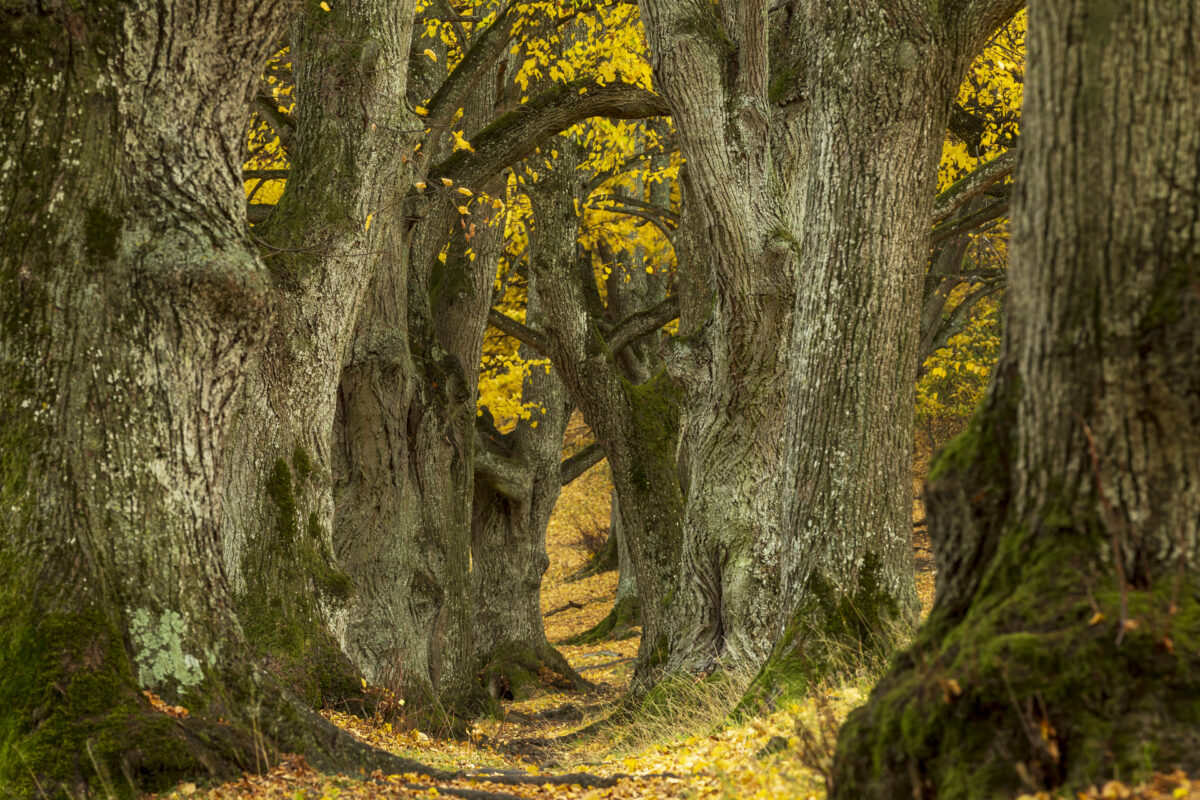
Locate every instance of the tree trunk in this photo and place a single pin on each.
(131, 298)
(518, 481)
(407, 451)
(635, 423)
(321, 244)
(1061, 647)
(810, 177)
(626, 612)
(736, 273)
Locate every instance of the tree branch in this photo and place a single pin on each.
(574, 466)
(658, 222)
(618, 197)
(972, 185)
(957, 227)
(485, 52)
(284, 125)
(508, 476)
(258, 212)
(976, 20)
(955, 322)
(642, 323)
(521, 131)
(518, 330)
(266, 174)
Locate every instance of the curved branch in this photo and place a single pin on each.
(284, 125)
(957, 227)
(973, 184)
(484, 53)
(658, 222)
(521, 131)
(642, 323)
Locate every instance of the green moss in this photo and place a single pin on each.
(511, 672)
(279, 489)
(832, 633)
(625, 615)
(286, 574)
(655, 410)
(303, 465)
(966, 704)
(101, 233)
(71, 714)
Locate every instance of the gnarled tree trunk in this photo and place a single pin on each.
(636, 424)
(321, 244)
(1061, 648)
(131, 299)
(811, 133)
(518, 477)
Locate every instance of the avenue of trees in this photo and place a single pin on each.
(282, 414)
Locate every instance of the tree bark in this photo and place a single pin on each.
(1065, 521)
(518, 481)
(635, 423)
(131, 299)
(810, 177)
(321, 244)
(406, 440)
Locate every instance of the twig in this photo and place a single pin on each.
(607, 664)
(571, 604)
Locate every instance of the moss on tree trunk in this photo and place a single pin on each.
(1062, 648)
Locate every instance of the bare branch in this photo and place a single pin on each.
(972, 185)
(642, 323)
(520, 132)
(957, 227)
(518, 330)
(265, 174)
(284, 125)
(579, 463)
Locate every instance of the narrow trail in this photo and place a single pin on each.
(690, 754)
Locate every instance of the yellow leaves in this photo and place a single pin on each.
(421, 111)
(367, 223)
(447, 182)
(461, 143)
(1096, 618)
(420, 186)
(430, 54)
(324, 6)
(464, 210)
(465, 191)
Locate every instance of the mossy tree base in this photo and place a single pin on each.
(830, 635)
(515, 672)
(618, 624)
(1035, 688)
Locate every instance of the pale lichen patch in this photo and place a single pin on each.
(158, 645)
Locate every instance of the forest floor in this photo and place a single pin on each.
(688, 751)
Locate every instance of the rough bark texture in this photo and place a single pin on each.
(1062, 647)
(131, 299)
(737, 265)
(321, 244)
(812, 133)
(635, 423)
(405, 433)
(517, 483)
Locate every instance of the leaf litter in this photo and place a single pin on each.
(697, 754)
